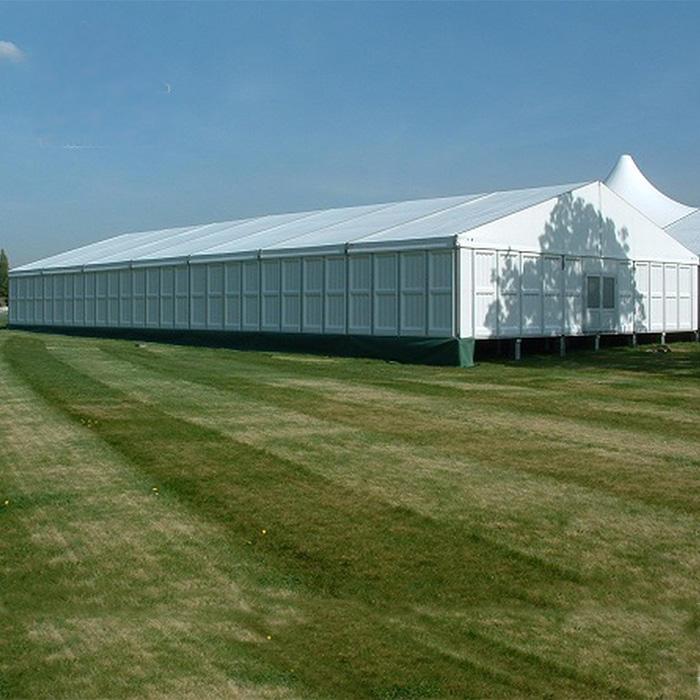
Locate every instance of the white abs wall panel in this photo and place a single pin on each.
(531, 294)
(90, 299)
(31, 309)
(685, 305)
(573, 295)
(312, 302)
(441, 282)
(198, 296)
(414, 290)
(215, 296)
(31, 312)
(23, 299)
(625, 296)
(509, 294)
(138, 280)
(609, 317)
(335, 294)
(32, 293)
(113, 298)
(126, 304)
(27, 301)
(671, 297)
(79, 299)
(360, 295)
(68, 299)
(485, 300)
(642, 307)
(656, 297)
(38, 299)
(553, 294)
(233, 290)
(251, 295)
(45, 297)
(271, 316)
(291, 295)
(18, 299)
(101, 298)
(464, 292)
(386, 297)
(153, 297)
(182, 296)
(167, 296)
(59, 284)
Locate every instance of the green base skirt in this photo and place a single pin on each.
(452, 352)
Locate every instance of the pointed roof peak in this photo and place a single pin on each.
(628, 181)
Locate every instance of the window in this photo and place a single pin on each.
(593, 292)
(600, 292)
(608, 292)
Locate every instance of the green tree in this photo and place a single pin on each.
(4, 275)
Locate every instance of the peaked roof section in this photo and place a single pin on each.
(431, 220)
(627, 180)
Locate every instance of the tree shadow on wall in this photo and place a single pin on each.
(529, 300)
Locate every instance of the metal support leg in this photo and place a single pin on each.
(562, 346)
(696, 335)
(517, 351)
(633, 340)
(663, 338)
(596, 343)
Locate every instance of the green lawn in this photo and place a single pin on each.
(205, 523)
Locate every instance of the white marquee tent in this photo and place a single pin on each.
(588, 258)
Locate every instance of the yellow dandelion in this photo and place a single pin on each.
(155, 488)
(264, 532)
(269, 637)
(7, 503)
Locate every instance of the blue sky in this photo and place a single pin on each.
(120, 117)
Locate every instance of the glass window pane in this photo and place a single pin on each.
(608, 292)
(593, 292)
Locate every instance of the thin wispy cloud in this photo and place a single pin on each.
(80, 147)
(168, 88)
(9, 51)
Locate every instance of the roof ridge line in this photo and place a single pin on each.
(240, 222)
(478, 198)
(685, 216)
(182, 230)
(377, 207)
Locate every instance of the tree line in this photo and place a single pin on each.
(4, 276)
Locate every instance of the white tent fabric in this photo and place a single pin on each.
(687, 231)
(432, 220)
(627, 180)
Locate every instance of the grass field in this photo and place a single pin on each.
(203, 523)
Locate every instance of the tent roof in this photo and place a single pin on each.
(628, 181)
(431, 220)
(687, 231)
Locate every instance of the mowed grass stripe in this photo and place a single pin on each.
(105, 589)
(614, 541)
(474, 429)
(370, 558)
(500, 503)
